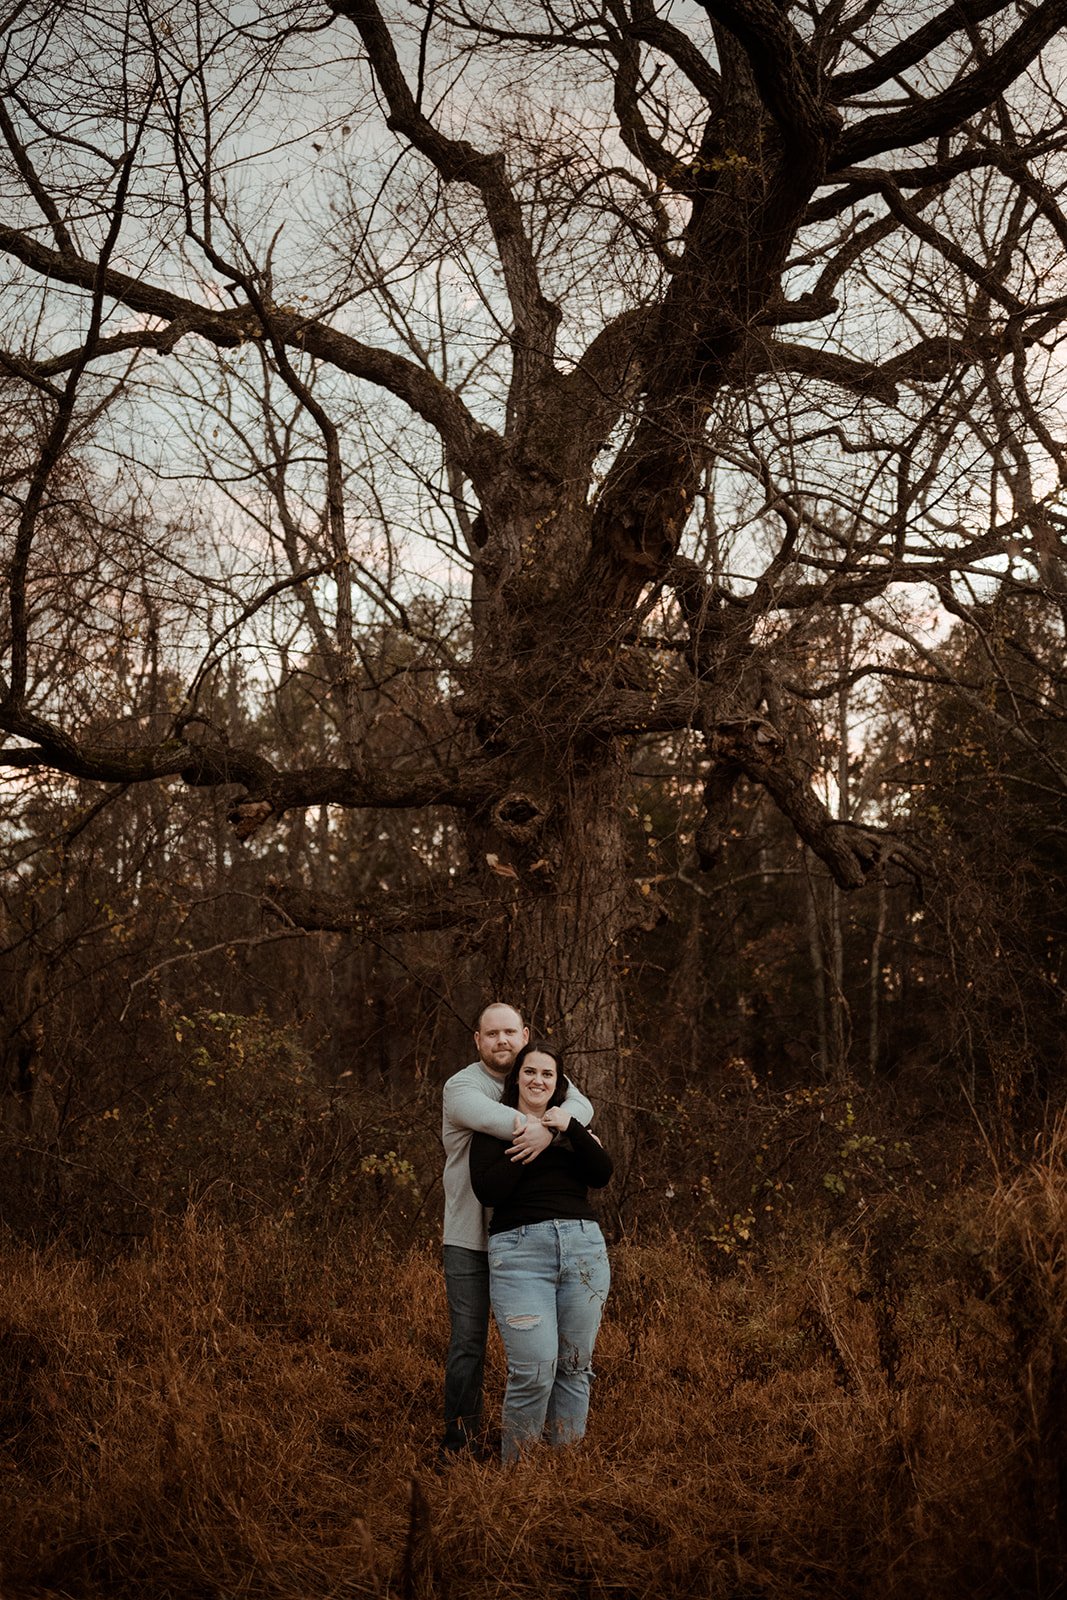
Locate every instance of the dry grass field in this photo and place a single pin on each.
(879, 1410)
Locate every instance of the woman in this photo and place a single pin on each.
(548, 1264)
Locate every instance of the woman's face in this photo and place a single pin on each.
(537, 1082)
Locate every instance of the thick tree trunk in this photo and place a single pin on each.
(555, 952)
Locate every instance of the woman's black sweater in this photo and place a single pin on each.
(553, 1187)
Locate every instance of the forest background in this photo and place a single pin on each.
(561, 504)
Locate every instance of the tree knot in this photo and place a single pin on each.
(248, 816)
(520, 817)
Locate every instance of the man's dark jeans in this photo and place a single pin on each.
(467, 1284)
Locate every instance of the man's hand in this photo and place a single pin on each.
(527, 1145)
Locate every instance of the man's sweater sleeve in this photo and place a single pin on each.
(577, 1106)
(468, 1106)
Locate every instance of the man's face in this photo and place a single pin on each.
(499, 1039)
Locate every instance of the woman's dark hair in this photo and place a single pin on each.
(542, 1047)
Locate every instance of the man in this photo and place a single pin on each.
(472, 1105)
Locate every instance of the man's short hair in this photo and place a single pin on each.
(502, 1005)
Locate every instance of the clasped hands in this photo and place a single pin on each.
(529, 1138)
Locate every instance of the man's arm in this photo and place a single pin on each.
(577, 1106)
(466, 1105)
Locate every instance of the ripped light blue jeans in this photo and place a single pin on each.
(548, 1282)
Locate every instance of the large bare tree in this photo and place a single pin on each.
(529, 378)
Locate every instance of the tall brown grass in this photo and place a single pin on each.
(874, 1410)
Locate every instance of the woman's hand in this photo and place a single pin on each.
(557, 1119)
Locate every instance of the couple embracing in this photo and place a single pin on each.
(516, 1140)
